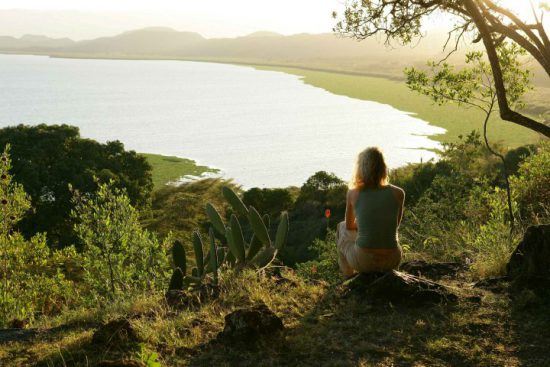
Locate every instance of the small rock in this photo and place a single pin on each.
(116, 332)
(398, 287)
(530, 262)
(435, 270)
(247, 325)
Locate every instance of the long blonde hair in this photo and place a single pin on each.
(370, 170)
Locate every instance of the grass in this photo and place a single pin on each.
(322, 329)
(456, 120)
(168, 169)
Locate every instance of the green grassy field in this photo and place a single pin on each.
(167, 169)
(456, 120)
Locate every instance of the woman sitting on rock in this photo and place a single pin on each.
(367, 240)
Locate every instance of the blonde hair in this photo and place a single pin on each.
(370, 170)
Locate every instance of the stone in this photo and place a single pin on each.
(248, 324)
(115, 332)
(399, 288)
(434, 271)
(530, 262)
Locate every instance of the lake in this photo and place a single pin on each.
(263, 128)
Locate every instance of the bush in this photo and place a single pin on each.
(31, 280)
(119, 256)
(50, 159)
(325, 265)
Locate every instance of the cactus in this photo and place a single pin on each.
(176, 281)
(199, 254)
(282, 232)
(214, 256)
(178, 255)
(235, 202)
(261, 250)
(215, 219)
(258, 226)
(236, 233)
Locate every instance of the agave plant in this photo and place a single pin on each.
(260, 250)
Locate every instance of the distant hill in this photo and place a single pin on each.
(320, 51)
(30, 41)
(314, 51)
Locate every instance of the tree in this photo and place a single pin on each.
(485, 20)
(473, 86)
(50, 159)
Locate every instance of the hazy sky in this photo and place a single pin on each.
(212, 18)
(81, 19)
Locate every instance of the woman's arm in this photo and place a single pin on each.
(350, 212)
(400, 194)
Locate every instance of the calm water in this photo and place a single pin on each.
(263, 128)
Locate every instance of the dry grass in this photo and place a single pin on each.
(322, 329)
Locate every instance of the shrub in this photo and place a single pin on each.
(118, 255)
(49, 158)
(325, 265)
(31, 280)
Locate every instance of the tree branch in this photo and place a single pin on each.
(506, 112)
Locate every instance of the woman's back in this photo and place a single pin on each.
(377, 213)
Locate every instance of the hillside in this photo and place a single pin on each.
(325, 51)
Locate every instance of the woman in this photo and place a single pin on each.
(368, 240)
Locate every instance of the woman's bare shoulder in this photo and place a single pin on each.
(398, 191)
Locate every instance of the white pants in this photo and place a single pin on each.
(352, 258)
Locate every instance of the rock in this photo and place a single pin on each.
(115, 332)
(249, 324)
(436, 270)
(398, 287)
(121, 363)
(530, 262)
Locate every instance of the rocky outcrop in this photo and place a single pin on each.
(248, 324)
(398, 288)
(530, 262)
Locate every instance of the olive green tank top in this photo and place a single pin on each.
(376, 216)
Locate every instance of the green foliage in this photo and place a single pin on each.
(49, 159)
(321, 191)
(532, 186)
(271, 201)
(325, 265)
(180, 280)
(118, 255)
(473, 85)
(461, 210)
(180, 209)
(260, 250)
(31, 280)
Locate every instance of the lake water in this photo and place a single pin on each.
(263, 128)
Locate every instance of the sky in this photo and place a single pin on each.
(83, 19)
(212, 18)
